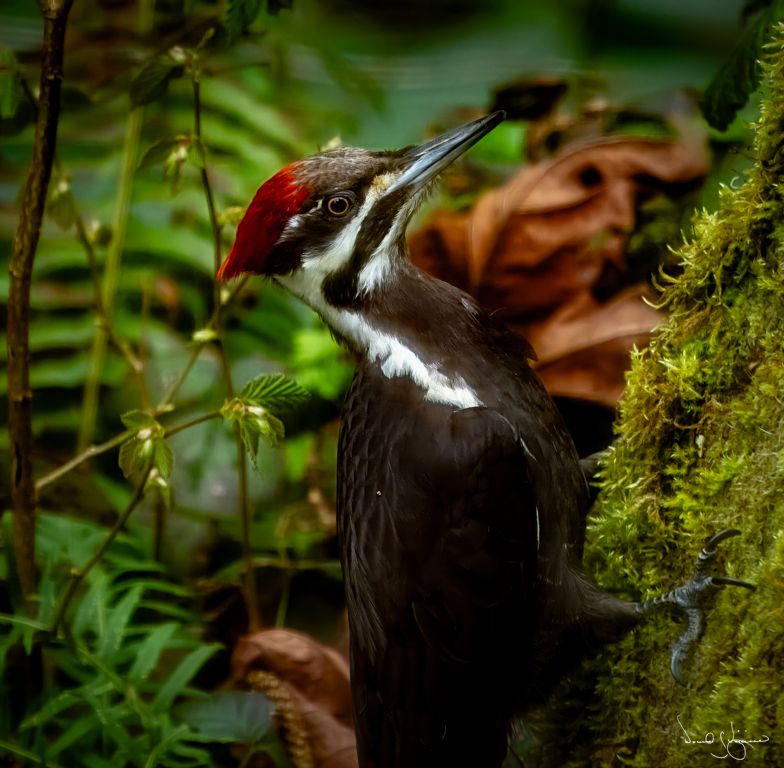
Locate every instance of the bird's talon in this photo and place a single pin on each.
(709, 551)
(728, 581)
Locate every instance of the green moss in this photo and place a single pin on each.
(699, 449)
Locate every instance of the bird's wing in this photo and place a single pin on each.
(439, 594)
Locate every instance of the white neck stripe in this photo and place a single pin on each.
(395, 357)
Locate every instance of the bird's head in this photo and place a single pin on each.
(330, 227)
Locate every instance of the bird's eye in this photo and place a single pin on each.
(338, 205)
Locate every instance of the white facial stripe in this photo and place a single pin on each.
(395, 357)
(342, 248)
(306, 281)
(377, 268)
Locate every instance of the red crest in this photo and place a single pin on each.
(272, 206)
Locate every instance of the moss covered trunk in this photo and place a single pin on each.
(700, 448)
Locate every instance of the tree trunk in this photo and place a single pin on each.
(701, 448)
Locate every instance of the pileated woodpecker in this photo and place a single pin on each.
(461, 502)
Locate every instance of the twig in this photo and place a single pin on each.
(192, 423)
(97, 450)
(205, 182)
(78, 576)
(251, 599)
(55, 15)
(111, 276)
(104, 320)
(85, 455)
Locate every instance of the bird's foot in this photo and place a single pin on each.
(693, 598)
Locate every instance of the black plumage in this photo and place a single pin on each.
(461, 535)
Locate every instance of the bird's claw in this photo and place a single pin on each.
(692, 598)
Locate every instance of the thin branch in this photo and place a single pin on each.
(104, 320)
(114, 442)
(251, 598)
(111, 276)
(205, 182)
(78, 576)
(163, 406)
(85, 455)
(20, 396)
(192, 423)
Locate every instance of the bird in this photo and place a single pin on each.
(461, 502)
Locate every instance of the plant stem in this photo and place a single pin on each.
(104, 318)
(88, 453)
(20, 411)
(205, 182)
(251, 599)
(197, 349)
(111, 276)
(97, 450)
(192, 423)
(79, 575)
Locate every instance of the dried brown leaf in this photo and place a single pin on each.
(317, 678)
(536, 249)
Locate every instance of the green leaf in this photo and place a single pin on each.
(253, 409)
(135, 456)
(177, 682)
(159, 151)
(61, 205)
(150, 651)
(153, 80)
(152, 585)
(147, 448)
(170, 738)
(138, 420)
(276, 392)
(163, 457)
(240, 14)
(197, 156)
(51, 708)
(239, 716)
(163, 489)
(10, 84)
(117, 623)
(197, 756)
(93, 608)
(77, 728)
(31, 757)
(204, 335)
(739, 76)
(169, 609)
(94, 761)
(254, 422)
(70, 372)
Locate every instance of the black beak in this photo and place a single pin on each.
(424, 162)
